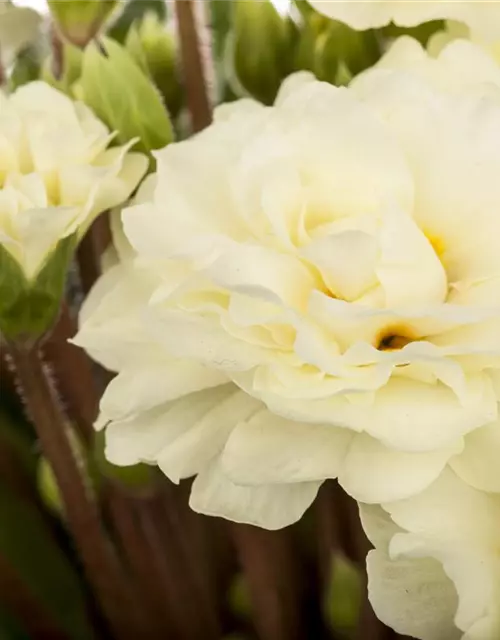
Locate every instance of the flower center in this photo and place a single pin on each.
(394, 339)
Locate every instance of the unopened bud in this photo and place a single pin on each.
(261, 48)
(153, 46)
(79, 21)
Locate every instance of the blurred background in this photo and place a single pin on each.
(190, 577)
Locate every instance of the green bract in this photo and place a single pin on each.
(28, 308)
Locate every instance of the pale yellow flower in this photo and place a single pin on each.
(324, 276)
(56, 172)
(435, 570)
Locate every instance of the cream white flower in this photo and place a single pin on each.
(435, 570)
(56, 173)
(482, 17)
(335, 259)
(452, 66)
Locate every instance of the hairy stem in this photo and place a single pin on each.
(99, 560)
(192, 65)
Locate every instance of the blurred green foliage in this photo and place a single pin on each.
(344, 596)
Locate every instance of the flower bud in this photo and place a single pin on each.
(153, 47)
(79, 21)
(261, 54)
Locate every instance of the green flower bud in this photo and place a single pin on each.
(153, 47)
(261, 48)
(342, 53)
(342, 604)
(79, 21)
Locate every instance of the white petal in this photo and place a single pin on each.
(374, 473)
(268, 506)
(404, 414)
(143, 438)
(413, 597)
(138, 389)
(268, 449)
(196, 447)
(478, 464)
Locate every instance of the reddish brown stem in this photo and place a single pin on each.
(270, 566)
(192, 65)
(90, 250)
(98, 557)
(73, 374)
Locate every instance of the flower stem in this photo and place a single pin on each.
(100, 562)
(192, 65)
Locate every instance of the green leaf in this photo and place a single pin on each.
(114, 86)
(30, 547)
(79, 21)
(342, 605)
(135, 10)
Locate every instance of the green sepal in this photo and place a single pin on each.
(29, 308)
(121, 94)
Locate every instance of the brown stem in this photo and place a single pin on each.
(90, 250)
(73, 374)
(99, 560)
(57, 53)
(192, 65)
(270, 567)
(179, 569)
(142, 562)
